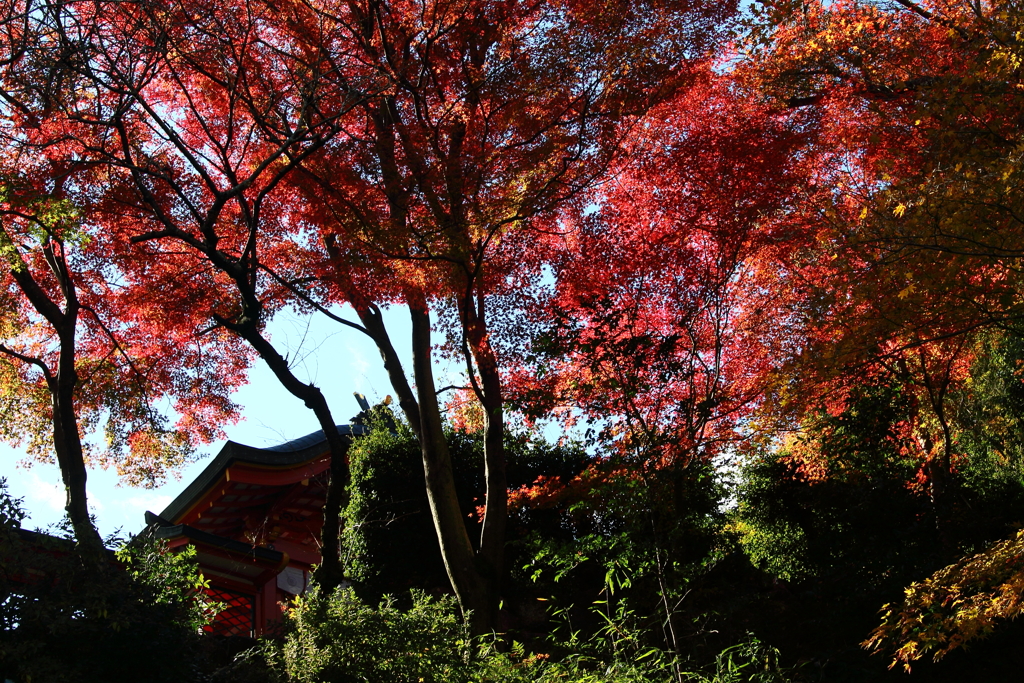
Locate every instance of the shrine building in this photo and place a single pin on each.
(254, 516)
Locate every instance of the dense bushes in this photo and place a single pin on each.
(130, 617)
(390, 544)
(338, 639)
(618, 572)
(841, 516)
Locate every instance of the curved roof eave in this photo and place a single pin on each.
(283, 456)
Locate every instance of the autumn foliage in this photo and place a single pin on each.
(683, 233)
(956, 605)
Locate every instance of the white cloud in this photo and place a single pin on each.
(154, 502)
(44, 494)
(359, 368)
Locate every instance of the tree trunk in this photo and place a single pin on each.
(330, 573)
(936, 469)
(490, 559)
(456, 550)
(939, 469)
(67, 441)
(67, 444)
(374, 324)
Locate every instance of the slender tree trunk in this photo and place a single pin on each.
(936, 469)
(490, 560)
(939, 468)
(945, 454)
(456, 548)
(67, 442)
(473, 575)
(374, 324)
(476, 576)
(330, 573)
(668, 626)
(938, 465)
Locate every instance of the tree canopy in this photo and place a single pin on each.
(681, 232)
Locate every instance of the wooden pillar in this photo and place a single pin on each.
(267, 609)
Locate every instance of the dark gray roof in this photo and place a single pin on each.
(164, 529)
(314, 439)
(291, 452)
(44, 541)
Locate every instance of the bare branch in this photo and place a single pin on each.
(31, 360)
(309, 301)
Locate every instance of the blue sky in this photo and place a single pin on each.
(338, 359)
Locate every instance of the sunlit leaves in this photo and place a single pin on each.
(657, 323)
(955, 605)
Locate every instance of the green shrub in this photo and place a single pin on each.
(749, 661)
(390, 544)
(338, 638)
(839, 504)
(62, 619)
(389, 540)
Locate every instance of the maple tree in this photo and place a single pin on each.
(915, 215)
(663, 293)
(197, 118)
(491, 115)
(192, 116)
(954, 606)
(74, 354)
(913, 270)
(655, 329)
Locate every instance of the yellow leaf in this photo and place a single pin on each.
(899, 211)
